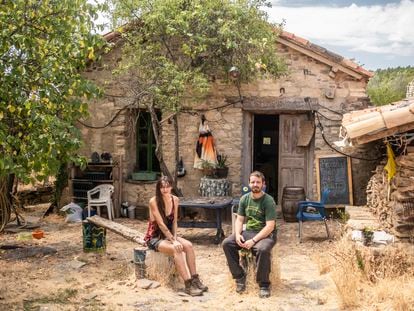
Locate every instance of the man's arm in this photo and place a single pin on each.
(238, 228)
(266, 231)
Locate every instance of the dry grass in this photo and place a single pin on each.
(274, 274)
(324, 263)
(387, 263)
(346, 273)
(394, 294)
(367, 277)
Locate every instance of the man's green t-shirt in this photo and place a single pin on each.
(257, 211)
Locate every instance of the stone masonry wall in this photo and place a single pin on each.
(307, 78)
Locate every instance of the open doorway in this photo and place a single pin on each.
(266, 150)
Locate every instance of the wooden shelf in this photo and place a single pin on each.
(95, 174)
(94, 180)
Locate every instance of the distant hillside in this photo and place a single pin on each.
(389, 85)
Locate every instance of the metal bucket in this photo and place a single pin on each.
(290, 198)
(131, 212)
(139, 260)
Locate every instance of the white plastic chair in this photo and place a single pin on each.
(104, 192)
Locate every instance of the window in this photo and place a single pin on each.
(146, 159)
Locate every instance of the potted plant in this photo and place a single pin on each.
(222, 168)
(367, 234)
(208, 168)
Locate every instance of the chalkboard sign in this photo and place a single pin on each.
(334, 173)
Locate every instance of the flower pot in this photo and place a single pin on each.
(38, 234)
(209, 172)
(222, 172)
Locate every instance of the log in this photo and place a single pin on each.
(128, 233)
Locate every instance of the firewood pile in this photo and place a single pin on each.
(403, 197)
(377, 201)
(395, 211)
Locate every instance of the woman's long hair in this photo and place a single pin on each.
(163, 181)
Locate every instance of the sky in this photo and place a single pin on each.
(375, 34)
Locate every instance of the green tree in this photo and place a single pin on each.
(176, 48)
(389, 85)
(44, 45)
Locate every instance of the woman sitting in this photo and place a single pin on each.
(162, 236)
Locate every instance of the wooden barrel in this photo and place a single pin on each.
(290, 198)
(94, 237)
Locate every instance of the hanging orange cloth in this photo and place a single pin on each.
(205, 148)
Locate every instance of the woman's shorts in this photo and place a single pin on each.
(154, 243)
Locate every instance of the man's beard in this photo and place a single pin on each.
(256, 190)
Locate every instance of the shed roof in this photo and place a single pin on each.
(370, 124)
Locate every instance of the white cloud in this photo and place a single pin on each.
(381, 29)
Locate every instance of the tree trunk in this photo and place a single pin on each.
(128, 233)
(5, 206)
(158, 149)
(60, 183)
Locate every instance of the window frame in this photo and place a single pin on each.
(150, 144)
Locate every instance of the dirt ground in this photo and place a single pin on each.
(71, 279)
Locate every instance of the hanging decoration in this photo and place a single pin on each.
(180, 168)
(206, 154)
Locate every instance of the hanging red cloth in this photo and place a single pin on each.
(205, 148)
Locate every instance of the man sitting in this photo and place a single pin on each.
(259, 209)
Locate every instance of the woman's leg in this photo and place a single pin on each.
(166, 247)
(189, 254)
(191, 264)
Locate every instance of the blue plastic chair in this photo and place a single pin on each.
(312, 211)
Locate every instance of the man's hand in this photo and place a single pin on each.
(249, 244)
(240, 240)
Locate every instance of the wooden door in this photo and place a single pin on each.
(293, 161)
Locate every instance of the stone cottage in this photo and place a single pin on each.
(278, 126)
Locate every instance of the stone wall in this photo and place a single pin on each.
(307, 77)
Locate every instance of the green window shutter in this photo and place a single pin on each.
(145, 145)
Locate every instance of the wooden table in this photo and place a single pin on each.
(215, 203)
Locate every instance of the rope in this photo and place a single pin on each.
(320, 126)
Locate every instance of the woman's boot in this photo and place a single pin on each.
(191, 289)
(197, 282)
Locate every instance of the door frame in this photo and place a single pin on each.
(247, 148)
(308, 159)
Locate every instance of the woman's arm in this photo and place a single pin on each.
(175, 224)
(158, 218)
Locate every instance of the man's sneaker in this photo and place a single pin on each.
(191, 289)
(264, 292)
(197, 283)
(241, 284)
